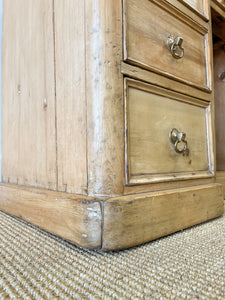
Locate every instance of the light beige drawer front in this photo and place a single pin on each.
(147, 26)
(151, 156)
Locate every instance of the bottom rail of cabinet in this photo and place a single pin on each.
(114, 223)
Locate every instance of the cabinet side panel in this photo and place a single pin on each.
(104, 97)
(28, 94)
(70, 95)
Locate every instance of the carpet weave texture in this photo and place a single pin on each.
(186, 265)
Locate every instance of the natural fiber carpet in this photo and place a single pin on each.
(186, 265)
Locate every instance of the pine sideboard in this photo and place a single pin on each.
(108, 136)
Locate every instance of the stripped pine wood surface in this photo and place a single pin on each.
(28, 94)
(72, 217)
(69, 18)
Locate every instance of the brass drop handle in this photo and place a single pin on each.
(176, 138)
(175, 46)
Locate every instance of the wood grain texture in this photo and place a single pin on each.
(28, 94)
(150, 116)
(159, 186)
(70, 95)
(105, 116)
(145, 32)
(75, 218)
(219, 93)
(136, 219)
(160, 80)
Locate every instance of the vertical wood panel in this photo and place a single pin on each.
(28, 96)
(70, 95)
(104, 97)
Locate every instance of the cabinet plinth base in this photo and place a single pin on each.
(114, 223)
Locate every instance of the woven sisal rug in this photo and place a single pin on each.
(186, 265)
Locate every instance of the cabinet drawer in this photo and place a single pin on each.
(151, 155)
(147, 26)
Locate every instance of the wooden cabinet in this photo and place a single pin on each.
(92, 94)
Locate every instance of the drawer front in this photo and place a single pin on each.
(151, 153)
(147, 26)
